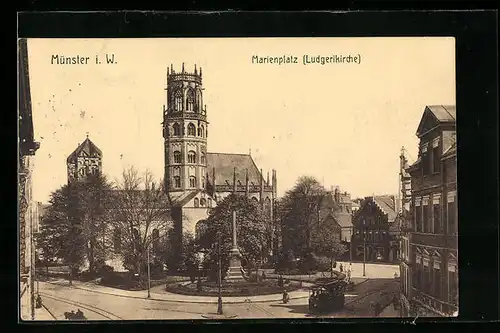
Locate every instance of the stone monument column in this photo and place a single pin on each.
(234, 273)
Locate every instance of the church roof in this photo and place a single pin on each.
(224, 165)
(184, 198)
(87, 148)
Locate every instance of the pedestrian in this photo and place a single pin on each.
(286, 298)
(348, 275)
(341, 268)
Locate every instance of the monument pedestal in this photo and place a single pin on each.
(234, 273)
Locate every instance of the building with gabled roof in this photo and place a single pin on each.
(429, 267)
(376, 230)
(85, 160)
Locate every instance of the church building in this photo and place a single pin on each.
(195, 178)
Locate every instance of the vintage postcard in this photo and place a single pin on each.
(172, 178)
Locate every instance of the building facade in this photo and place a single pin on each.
(196, 179)
(28, 219)
(376, 230)
(430, 278)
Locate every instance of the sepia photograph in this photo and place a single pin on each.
(237, 178)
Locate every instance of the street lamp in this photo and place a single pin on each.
(149, 274)
(364, 247)
(219, 299)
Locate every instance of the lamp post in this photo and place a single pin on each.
(364, 253)
(149, 274)
(219, 299)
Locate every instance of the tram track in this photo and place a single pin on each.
(248, 301)
(101, 312)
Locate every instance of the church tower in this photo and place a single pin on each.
(85, 160)
(184, 132)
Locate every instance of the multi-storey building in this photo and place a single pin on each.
(430, 278)
(376, 230)
(27, 207)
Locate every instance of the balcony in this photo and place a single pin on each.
(442, 308)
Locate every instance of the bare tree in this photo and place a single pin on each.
(139, 210)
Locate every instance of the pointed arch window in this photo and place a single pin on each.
(177, 181)
(191, 157)
(192, 181)
(177, 157)
(177, 129)
(203, 202)
(196, 202)
(178, 100)
(191, 129)
(202, 159)
(190, 100)
(201, 131)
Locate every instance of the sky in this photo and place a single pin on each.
(342, 123)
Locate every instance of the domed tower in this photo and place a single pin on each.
(184, 132)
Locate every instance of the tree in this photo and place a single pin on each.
(61, 232)
(298, 209)
(326, 241)
(250, 226)
(92, 197)
(138, 208)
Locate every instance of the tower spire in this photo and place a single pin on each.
(195, 70)
(183, 67)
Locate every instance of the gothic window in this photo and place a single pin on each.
(202, 158)
(178, 100)
(177, 182)
(201, 131)
(190, 100)
(203, 202)
(191, 129)
(177, 129)
(191, 157)
(117, 240)
(177, 157)
(196, 202)
(192, 181)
